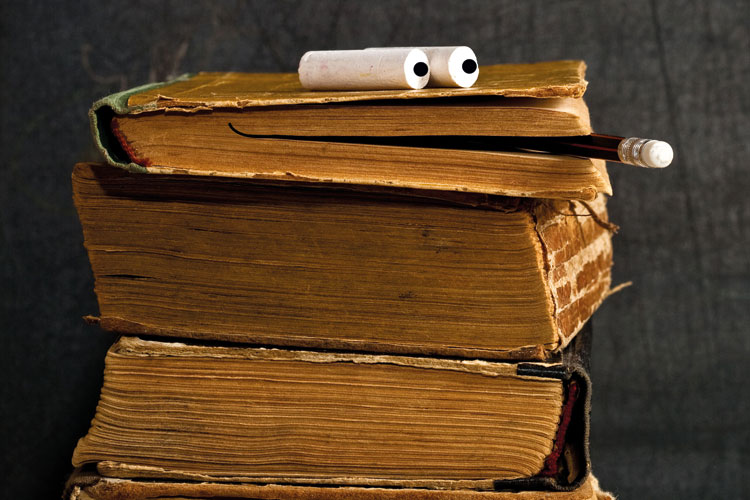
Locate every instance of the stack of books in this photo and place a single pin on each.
(321, 296)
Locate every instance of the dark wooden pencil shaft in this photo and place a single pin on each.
(590, 146)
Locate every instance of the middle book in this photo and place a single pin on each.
(362, 268)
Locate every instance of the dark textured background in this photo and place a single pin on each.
(671, 353)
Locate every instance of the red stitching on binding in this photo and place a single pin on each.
(127, 147)
(551, 463)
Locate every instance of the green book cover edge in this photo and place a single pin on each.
(101, 114)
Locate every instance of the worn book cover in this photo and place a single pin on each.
(89, 485)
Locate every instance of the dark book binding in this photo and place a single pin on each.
(569, 464)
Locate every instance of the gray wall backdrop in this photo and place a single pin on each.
(670, 410)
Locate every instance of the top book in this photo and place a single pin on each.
(266, 126)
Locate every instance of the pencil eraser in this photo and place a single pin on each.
(657, 154)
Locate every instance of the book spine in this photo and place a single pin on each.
(578, 255)
(100, 118)
(569, 464)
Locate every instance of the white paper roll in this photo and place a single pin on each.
(449, 66)
(452, 66)
(379, 69)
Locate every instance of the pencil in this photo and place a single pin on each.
(649, 153)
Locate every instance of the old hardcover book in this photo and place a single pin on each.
(200, 125)
(89, 485)
(379, 270)
(242, 414)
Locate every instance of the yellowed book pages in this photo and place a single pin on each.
(374, 270)
(221, 152)
(240, 414)
(481, 116)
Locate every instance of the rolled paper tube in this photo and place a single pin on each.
(450, 66)
(380, 69)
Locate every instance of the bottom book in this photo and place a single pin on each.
(90, 486)
(238, 414)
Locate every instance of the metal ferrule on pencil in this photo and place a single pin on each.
(644, 152)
